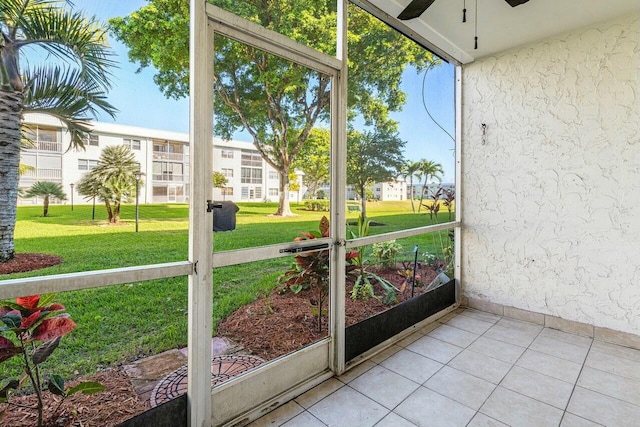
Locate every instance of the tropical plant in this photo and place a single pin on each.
(28, 321)
(429, 169)
(46, 190)
(409, 170)
(70, 85)
(386, 253)
(365, 279)
(113, 180)
(276, 102)
(448, 199)
(434, 205)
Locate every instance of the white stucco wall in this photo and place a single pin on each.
(552, 199)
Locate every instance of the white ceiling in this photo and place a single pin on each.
(500, 26)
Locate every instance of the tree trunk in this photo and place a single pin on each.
(363, 202)
(109, 211)
(45, 210)
(283, 195)
(116, 213)
(10, 115)
(413, 208)
(424, 187)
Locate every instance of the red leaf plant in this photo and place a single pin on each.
(28, 321)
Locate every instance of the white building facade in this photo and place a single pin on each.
(163, 157)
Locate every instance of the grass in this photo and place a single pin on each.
(121, 323)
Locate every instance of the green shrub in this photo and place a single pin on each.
(317, 205)
(386, 252)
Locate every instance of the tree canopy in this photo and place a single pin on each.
(46, 190)
(277, 102)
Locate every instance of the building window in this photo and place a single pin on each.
(87, 165)
(227, 172)
(250, 176)
(273, 175)
(227, 191)
(244, 193)
(258, 193)
(251, 158)
(91, 139)
(273, 192)
(134, 144)
(227, 154)
(159, 191)
(168, 171)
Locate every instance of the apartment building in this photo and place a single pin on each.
(163, 157)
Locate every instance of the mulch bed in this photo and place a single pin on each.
(284, 322)
(116, 404)
(28, 262)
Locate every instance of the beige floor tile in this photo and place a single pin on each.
(562, 350)
(482, 315)
(549, 365)
(384, 386)
(517, 410)
(394, 420)
(497, 349)
(435, 349)
(413, 366)
(481, 420)
(453, 335)
(538, 386)
(278, 416)
(353, 373)
(520, 325)
(461, 387)
(566, 337)
(409, 339)
(570, 420)
(428, 328)
(603, 409)
(384, 354)
(318, 393)
(481, 366)
(426, 408)
(347, 407)
(616, 350)
(511, 336)
(470, 324)
(611, 385)
(616, 365)
(305, 419)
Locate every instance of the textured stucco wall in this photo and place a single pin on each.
(552, 199)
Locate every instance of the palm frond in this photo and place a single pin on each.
(66, 95)
(67, 35)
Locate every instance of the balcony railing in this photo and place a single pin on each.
(49, 146)
(168, 177)
(43, 174)
(160, 155)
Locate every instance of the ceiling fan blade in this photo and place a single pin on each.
(415, 9)
(514, 3)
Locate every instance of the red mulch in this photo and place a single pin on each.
(116, 404)
(28, 262)
(282, 323)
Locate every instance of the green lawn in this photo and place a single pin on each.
(121, 323)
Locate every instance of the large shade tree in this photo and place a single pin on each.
(373, 156)
(70, 85)
(314, 160)
(276, 102)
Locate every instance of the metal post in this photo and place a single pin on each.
(71, 185)
(138, 175)
(93, 211)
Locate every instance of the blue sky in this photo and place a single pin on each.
(140, 102)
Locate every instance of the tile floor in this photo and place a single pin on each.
(476, 369)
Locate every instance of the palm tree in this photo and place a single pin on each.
(410, 169)
(46, 190)
(113, 181)
(429, 169)
(70, 86)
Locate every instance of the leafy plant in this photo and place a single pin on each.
(434, 206)
(30, 320)
(363, 283)
(429, 258)
(448, 198)
(386, 252)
